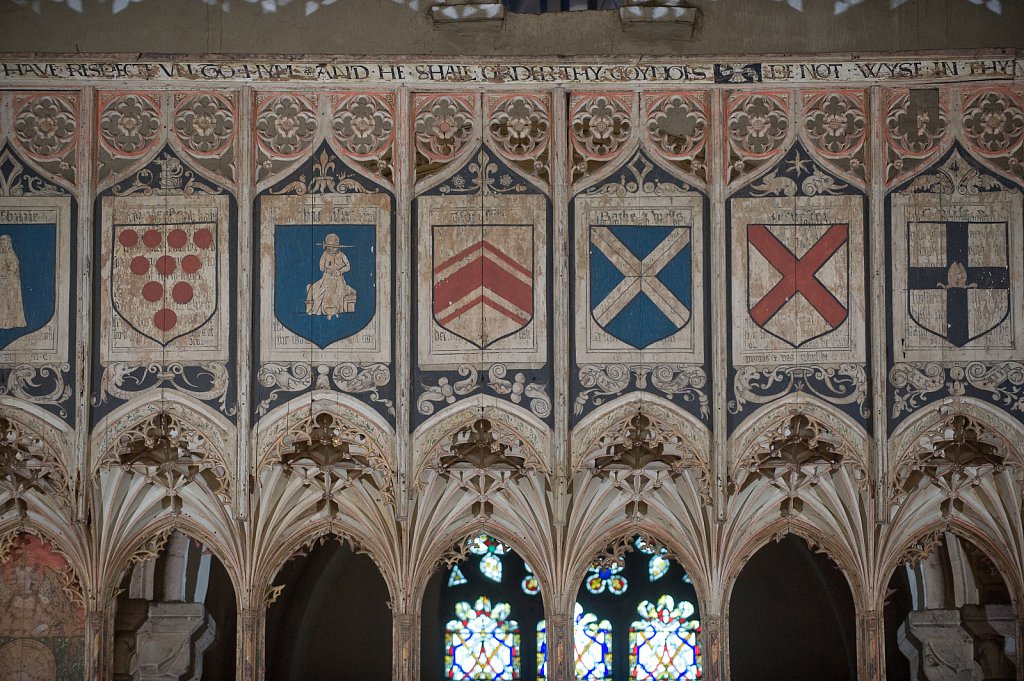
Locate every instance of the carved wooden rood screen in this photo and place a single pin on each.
(567, 311)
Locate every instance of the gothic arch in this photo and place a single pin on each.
(149, 541)
(267, 567)
(615, 540)
(35, 466)
(75, 553)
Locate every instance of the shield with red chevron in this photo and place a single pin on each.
(483, 280)
(798, 279)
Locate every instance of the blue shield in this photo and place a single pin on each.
(325, 282)
(28, 279)
(641, 284)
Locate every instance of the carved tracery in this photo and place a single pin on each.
(640, 454)
(329, 455)
(171, 454)
(28, 464)
(953, 455)
(482, 458)
(793, 455)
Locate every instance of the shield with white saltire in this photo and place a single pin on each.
(958, 278)
(483, 280)
(640, 280)
(164, 276)
(798, 279)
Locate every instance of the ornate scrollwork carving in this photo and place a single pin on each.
(794, 455)
(494, 380)
(330, 456)
(347, 377)
(28, 464)
(841, 384)
(954, 454)
(206, 381)
(640, 455)
(170, 454)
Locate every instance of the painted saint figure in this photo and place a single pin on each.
(331, 295)
(12, 307)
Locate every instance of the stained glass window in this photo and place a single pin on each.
(490, 550)
(608, 577)
(531, 585)
(482, 642)
(456, 578)
(593, 647)
(658, 565)
(663, 642)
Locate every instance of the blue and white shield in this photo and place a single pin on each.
(28, 279)
(641, 284)
(325, 280)
(958, 278)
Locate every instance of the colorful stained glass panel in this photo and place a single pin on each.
(482, 642)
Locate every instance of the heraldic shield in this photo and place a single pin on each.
(325, 279)
(958, 278)
(164, 277)
(483, 280)
(798, 279)
(28, 279)
(641, 283)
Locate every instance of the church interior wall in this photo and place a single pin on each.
(251, 306)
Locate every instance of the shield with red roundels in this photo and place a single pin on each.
(164, 277)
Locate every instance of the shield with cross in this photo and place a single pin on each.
(958, 278)
(798, 279)
(641, 283)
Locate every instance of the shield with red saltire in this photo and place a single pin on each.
(164, 277)
(798, 279)
(483, 280)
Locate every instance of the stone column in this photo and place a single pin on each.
(711, 647)
(870, 646)
(406, 646)
(938, 647)
(561, 661)
(994, 629)
(250, 644)
(97, 625)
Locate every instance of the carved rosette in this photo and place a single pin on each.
(363, 125)
(793, 454)
(993, 126)
(757, 127)
(519, 125)
(284, 129)
(443, 124)
(639, 452)
(46, 130)
(600, 127)
(953, 454)
(916, 123)
(834, 124)
(128, 128)
(329, 452)
(170, 453)
(676, 129)
(29, 467)
(204, 126)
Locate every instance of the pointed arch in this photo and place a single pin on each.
(36, 465)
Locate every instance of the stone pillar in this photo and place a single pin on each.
(96, 641)
(250, 644)
(994, 629)
(938, 647)
(406, 646)
(870, 646)
(711, 647)
(171, 642)
(561, 661)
